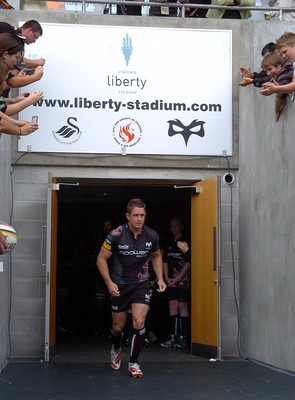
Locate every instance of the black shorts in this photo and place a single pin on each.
(131, 293)
(175, 293)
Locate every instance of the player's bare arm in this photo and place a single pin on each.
(158, 268)
(102, 265)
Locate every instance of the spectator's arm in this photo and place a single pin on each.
(279, 105)
(21, 79)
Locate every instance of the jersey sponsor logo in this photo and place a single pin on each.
(148, 244)
(174, 255)
(137, 253)
(123, 246)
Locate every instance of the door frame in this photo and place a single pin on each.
(51, 241)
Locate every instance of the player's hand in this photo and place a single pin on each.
(183, 246)
(113, 290)
(161, 286)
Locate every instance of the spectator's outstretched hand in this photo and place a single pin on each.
(268, 88)
(40, 62)
(34, 97)
(27, 128)
(246, 82)
(247, 72)
(38, 73)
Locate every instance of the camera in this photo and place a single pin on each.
(30, 72)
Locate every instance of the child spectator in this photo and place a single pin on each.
(282, 72)
(258, 78)
(286, 47)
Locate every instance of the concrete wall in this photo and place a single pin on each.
(30, 190)
(262, 194)
(30, 187)
(5, 207)
(266, 220)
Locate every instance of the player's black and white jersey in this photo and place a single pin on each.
(176, 261)
(131, 256)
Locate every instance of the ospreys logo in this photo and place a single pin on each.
(69, 133)
(176, 127)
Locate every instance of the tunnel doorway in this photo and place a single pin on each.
(82, 306)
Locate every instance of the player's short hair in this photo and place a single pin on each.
(135, 203)
(176, 217)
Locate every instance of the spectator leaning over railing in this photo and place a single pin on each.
(286, 15)
(286, 47)
(282, 72)
(258, 78)
(162, 10)
(197, 12)
(231, 14)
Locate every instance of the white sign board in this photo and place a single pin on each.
(131, 89)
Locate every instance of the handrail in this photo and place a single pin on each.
(182, 6)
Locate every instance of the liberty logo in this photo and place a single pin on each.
(127, 48)
(69, 133)
(176, 127)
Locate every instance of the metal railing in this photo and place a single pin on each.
(181, 6)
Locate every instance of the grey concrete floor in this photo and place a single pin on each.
(81, 371)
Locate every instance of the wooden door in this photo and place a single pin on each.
(205, 226)
(51, 256)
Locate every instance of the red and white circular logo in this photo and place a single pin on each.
(127, 132)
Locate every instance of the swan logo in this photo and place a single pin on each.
(68, 133)
(127, 132)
